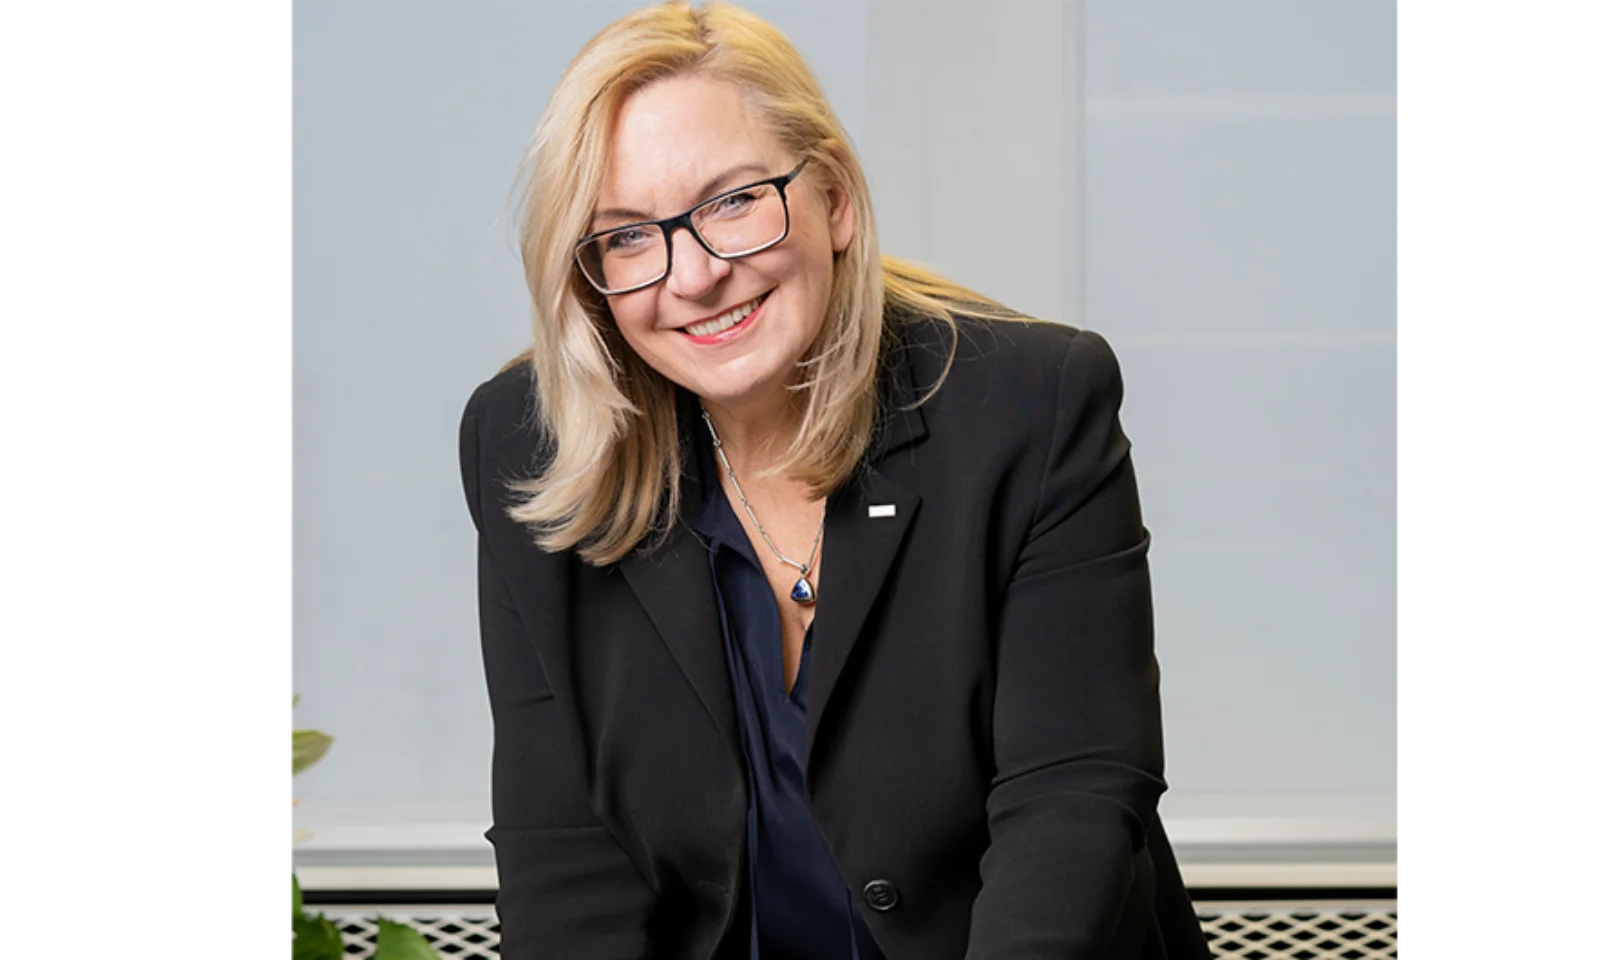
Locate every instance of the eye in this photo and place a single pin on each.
(624, 239)
(734, 203)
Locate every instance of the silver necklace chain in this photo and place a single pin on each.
(804, 568)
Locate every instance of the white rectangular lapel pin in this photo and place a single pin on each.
(880, 510)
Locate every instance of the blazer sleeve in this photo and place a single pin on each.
(1077, 722)
(566, 888)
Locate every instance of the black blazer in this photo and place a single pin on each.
(983, 747)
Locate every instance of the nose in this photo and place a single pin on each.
(695, 273)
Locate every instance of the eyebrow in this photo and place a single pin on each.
(709, 189)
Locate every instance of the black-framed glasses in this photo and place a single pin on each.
(730, 225)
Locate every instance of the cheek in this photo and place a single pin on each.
(816, 256)
(634, 321)
(817, 268)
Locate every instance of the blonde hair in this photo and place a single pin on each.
(611, 480)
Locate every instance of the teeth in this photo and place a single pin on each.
(709, 327)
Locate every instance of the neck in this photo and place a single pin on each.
(756, 431)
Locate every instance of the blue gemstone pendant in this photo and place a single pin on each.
(802, 592)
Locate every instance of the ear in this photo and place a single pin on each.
(841, 217)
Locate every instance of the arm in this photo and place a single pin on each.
(1077, 722)
(567, 890)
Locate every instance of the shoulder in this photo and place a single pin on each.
(503, 411)
(1029, 413)
(1037, 375)
(507, 399)
(500, 436)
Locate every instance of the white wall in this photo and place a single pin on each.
(1208, 184)
(1240, 255)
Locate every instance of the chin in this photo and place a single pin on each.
(731, 390)
(731, 379)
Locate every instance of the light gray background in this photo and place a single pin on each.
(1209, 184)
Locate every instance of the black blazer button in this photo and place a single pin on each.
(881, 895)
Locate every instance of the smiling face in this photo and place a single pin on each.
(675, 143)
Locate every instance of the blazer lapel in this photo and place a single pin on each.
(867, 521)
(673, 584)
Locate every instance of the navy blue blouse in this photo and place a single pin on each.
(801, 907)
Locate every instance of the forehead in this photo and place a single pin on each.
(673, 136)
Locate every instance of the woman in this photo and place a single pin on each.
(813, 591)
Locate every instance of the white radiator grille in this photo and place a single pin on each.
(1236, 931)
(1300, 931)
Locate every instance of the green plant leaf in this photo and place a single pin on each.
(396, 941)
(298, 907)
(317, 938)
(296, 702)
(309, 746)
